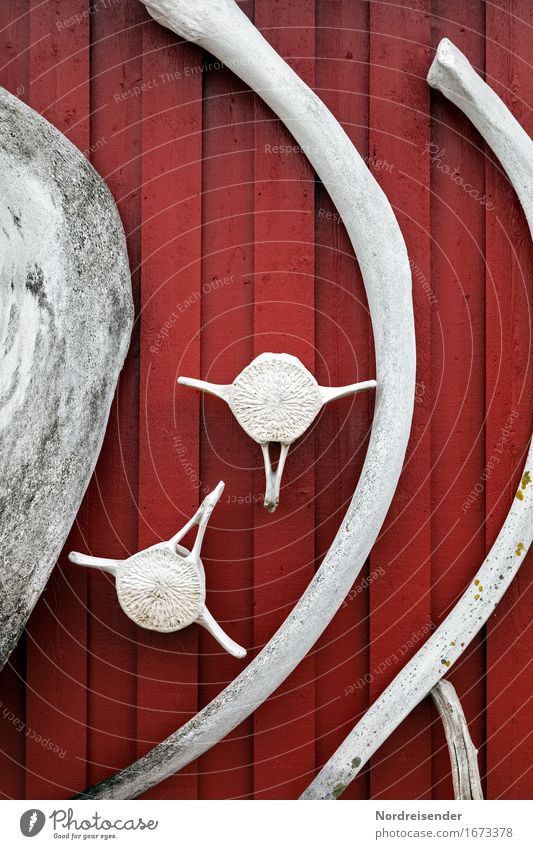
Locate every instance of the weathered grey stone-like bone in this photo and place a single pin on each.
(454, 76)
(65, 322)
(443, 648)
(463, 753)
(222, 28)
(163, 587)
(275, 399)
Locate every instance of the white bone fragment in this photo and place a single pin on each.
(463, 753)
(275, 399)
(163, 587)
(222, 28)
(442, 649)
(454, 76)
(66, 314)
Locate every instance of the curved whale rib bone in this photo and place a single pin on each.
(163, 587)
(222, 28)
(454, 76)
(275, 399)
(442, 649)
(463, 753)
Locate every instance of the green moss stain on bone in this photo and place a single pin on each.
(356, 763)
(526, 480)
(338, 790)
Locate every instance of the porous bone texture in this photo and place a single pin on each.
(160, 590)
(221, 27)
(275, 399)
(65, 322)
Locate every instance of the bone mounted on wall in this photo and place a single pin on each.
(463, 753)
(162, 588)
(275, 399)
(454, 76)
(65, 321)
(221, 27)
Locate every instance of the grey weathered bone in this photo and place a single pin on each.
(65, 322)
(163, 587)
(275, 399)
(443, 648)
(222, 28)
(463, 753)
(452, 74)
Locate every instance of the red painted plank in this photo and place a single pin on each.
(197, 230)
(284, 316)
(115, 145)
(170, 345)
(14, 39)
(342, 331)
(457, 344)
(225, 450)
(509, 257)
(57, 631)
(14, 54)
(13, 726)
(400, 599)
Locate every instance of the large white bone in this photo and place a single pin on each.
(463, 753)
(66, 314)
(275, 399)
(162, 588)
(222, 28)
(454, 76)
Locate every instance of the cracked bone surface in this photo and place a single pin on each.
(463, 753)
(453, 74)
(275, 399)
(65, 321)
(163, 587)
(222, 28)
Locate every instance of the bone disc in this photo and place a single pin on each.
(275, 398)
(160, 590)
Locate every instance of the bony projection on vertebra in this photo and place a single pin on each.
(275, 399)
(163, 587)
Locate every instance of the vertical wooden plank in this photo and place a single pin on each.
(342, 331)
(458, 366)
(14, 40)
(284, 321)
(13, 725)
(14, 54)
(170, 345)
(400, 600)
(182, 295)
(57, 631)
(509, 257)
(115, 149)
(226, 451)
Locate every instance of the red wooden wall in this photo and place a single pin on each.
(235, 249)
